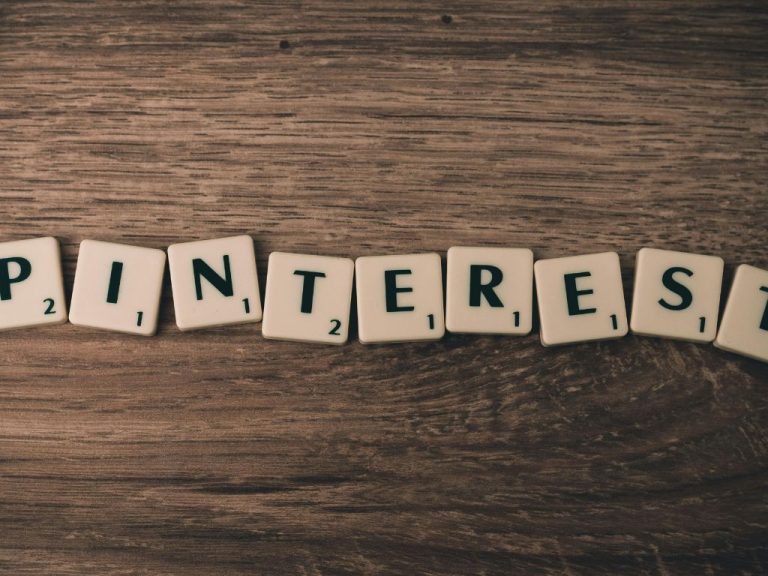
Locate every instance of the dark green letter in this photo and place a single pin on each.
(114, 282)
(477, 288)
(686, 298)
(308, 290)
(392, 290)
(25, 269)
(572, 294)
(764, 322)
(223, 285)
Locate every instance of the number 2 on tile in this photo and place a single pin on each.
(50, 309)
(335, 330)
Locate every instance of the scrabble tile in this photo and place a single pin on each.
(308, 298)
(744, 328)
(677, 295)
(399, 298)
(581, 298)
(215, 282)
(117, 287)
(31, 284)
(489, 290)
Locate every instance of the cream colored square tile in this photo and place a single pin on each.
(677, 295)
(580, 298)
(489, 290)
(744, 328)
(308, 298)
(117, 287)
(31, 284)
(399, 298)
(215, 282)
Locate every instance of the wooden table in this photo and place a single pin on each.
(360, 128)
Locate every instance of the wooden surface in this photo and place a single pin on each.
(358, 128)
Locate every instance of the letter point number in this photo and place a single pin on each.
(49, 309)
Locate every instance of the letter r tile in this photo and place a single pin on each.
(489, 290)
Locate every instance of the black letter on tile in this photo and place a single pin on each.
(572, 294)
(114, 282)
(686, 298)
(223, 285)
(478, 289)
(392, 290)
(25, 269)
(308, 290)
(764, 322)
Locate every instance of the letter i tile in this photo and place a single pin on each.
(117, 287)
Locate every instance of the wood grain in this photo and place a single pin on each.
(355, 128)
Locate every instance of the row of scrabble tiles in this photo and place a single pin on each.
(399, 298)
